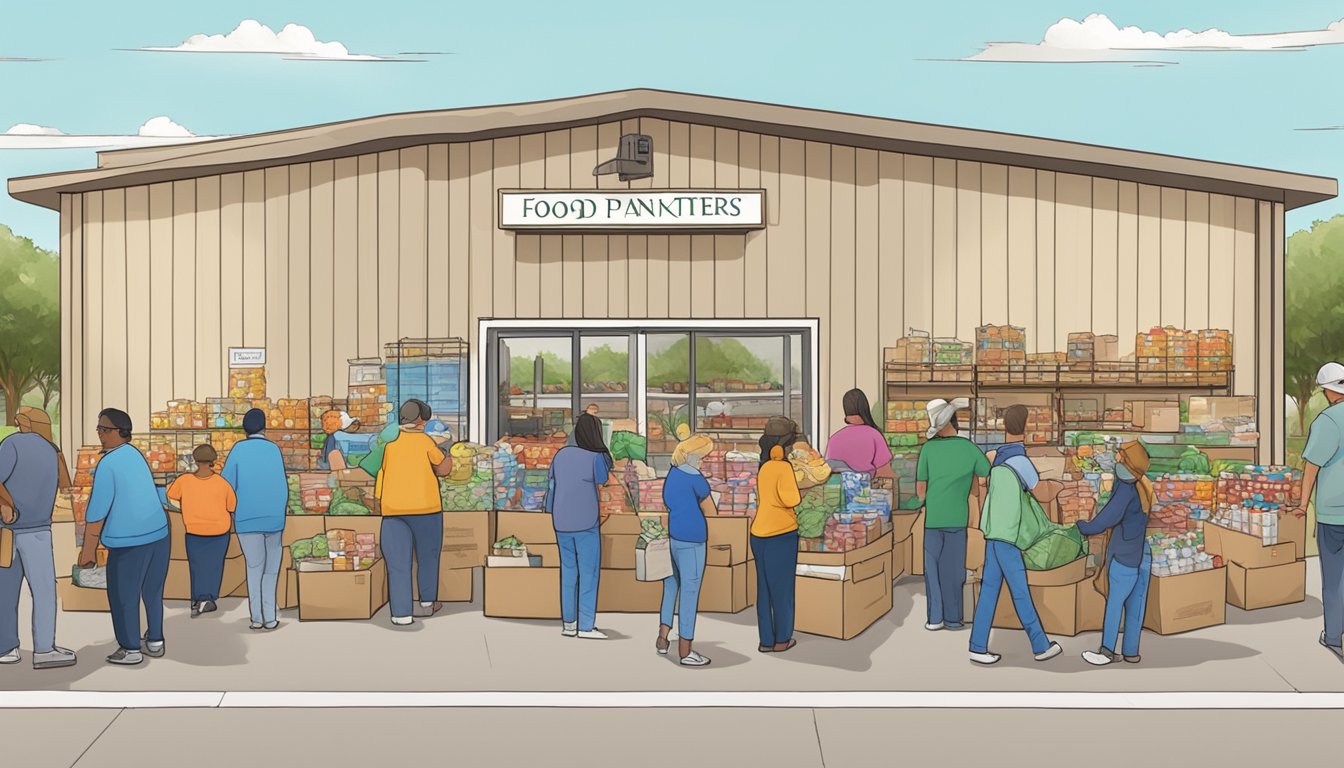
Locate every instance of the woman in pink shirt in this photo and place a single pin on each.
(860, 444)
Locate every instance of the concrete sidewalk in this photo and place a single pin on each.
(654, 738)
(1272, 650)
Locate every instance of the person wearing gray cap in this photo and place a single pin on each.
(1324, 475)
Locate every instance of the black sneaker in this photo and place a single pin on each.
(195, 609)
(209, 606)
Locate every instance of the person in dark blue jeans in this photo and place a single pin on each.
(774, 538)
(572, 499)
(125, 513)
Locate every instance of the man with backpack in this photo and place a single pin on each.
(1014, 486)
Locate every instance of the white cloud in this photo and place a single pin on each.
(156, 131)
(164, 128)
(1098, 39)
(28, 129)
(294, 41)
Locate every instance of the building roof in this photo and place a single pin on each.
(127, 167)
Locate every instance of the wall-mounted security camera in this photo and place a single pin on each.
(634, 159)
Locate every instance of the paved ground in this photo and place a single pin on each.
(1272, 650)
(654, 738)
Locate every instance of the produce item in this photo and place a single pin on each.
(348, 502)
(809, 467)
(507, 544)
(817, 506)
(950, 351)
(652, 529)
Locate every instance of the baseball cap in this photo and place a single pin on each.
(1331, 377)
(346, 421)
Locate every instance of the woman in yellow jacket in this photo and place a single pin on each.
(774, 537)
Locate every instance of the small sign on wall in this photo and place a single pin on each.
(247, 357)
(624, 210)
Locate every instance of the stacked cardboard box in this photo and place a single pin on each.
(247, 383)
(1000, 350)
(1261, 574)
(527, 592)
(841, 594)
(729, 584)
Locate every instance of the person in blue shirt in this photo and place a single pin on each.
(256, 470)
(686, 495)
(572, 499)
(1129, 562)
(126, 515)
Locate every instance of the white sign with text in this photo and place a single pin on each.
(632, 209)
(247, 357)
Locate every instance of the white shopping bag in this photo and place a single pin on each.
(653, 561)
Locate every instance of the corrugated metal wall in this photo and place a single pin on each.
(322, 262)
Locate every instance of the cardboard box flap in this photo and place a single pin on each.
(879, 548)
(903, 525)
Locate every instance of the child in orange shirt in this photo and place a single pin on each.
(206, 501)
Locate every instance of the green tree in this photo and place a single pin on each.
(30, 320)
(604, 364)
(1313, 312)
(555, 372)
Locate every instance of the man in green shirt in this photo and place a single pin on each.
(945, 480)
(1324, 464)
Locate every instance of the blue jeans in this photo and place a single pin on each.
(1003, 565)
(580, 565)
(688, 570)
(263, 553)
(33, 561)
(135, 575)
(406, 537)
(1330, 540)
(1127, 592)
(205, 560)
(776, 569)
(945, 574)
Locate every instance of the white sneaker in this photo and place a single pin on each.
(125, 658)
(1097, 658)
(10, 658)
(985, 658)
(593, 634)
(402, 621)
(1049, 653)
(570, 630)
(934, 627)
(694, 660)
(54, 659)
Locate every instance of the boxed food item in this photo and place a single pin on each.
(1268, 586)
(915, 347)
(842, 594)
(342, 594)
(1000, 350)
(1186, 602)
(522, 593)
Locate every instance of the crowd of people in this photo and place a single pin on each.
(249, 496)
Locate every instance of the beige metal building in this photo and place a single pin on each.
(321, 244)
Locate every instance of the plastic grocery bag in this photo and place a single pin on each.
(373, 462)
(653, 560)
(809, 468)
(1059, 546)
(629, 445)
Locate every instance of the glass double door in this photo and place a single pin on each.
(723, 381)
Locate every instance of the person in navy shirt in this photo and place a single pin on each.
(126, 515)
(686, 495)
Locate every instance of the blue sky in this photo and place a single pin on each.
(888, 59)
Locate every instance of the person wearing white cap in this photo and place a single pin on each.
(945, 480)
(1324, 475)
(335, 423)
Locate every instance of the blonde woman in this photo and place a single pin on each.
(686, 494)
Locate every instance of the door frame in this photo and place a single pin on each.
(486, 354)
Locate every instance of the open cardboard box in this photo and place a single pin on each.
(844, 608)
(1250, 551)
(1065, 600)
(338, 595)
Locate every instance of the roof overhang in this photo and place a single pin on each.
(130, 167)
